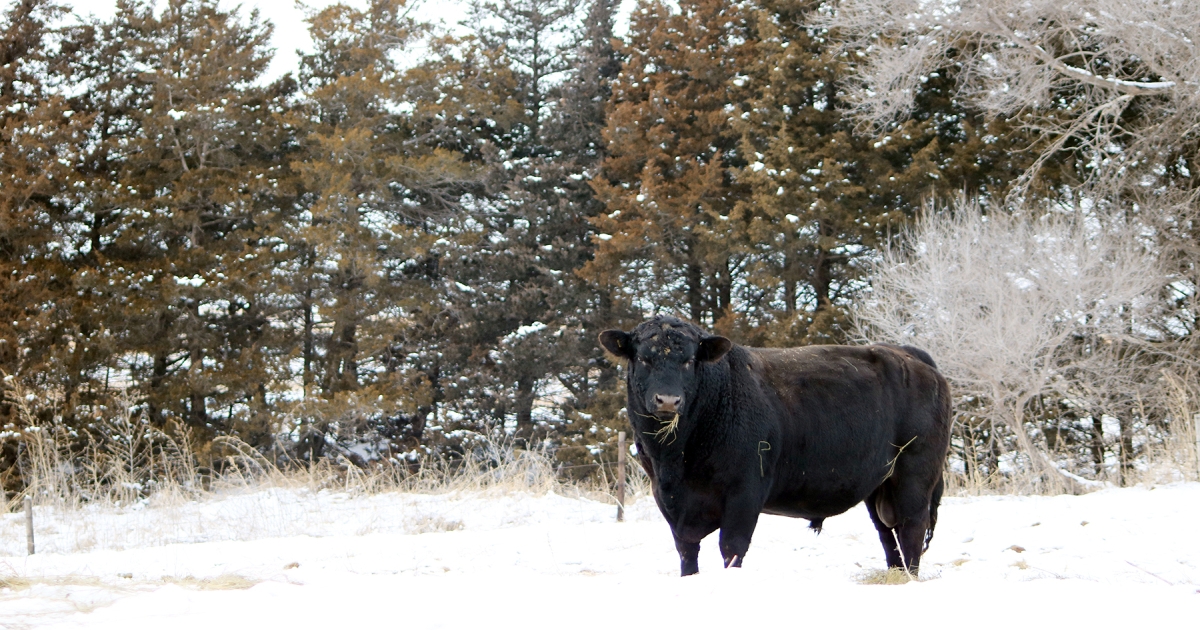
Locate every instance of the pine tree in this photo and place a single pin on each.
(522, 241)
(576, 137)
(181, 197)
(376, 187)
(666, 241)
(826, 196)
(535, 39)
(529, 322)
(41, 142)
(114, 105)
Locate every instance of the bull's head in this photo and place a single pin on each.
(664, 357)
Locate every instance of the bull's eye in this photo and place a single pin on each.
(688, 364)
(643, 361)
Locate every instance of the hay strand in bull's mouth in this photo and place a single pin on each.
(667, 427)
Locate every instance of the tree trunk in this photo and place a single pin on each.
(349, 348)
(789, 284)
(308, 349)
(197, 409)
(723, 292)
(1127, 455)
(695, 294)
(822, 272)
(1040, 461)
(1098, 445)
(157, 375)
(525, 409)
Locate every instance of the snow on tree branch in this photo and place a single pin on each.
(1066, 70)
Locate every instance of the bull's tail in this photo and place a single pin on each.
(934, 501)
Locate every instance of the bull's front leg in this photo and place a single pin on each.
(689, 556)
(675, 502)
(669, 490)
(687, 543)
(738, 521)
(688, 534)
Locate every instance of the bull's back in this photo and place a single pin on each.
(844, 409)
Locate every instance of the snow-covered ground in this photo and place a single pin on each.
(277, 558)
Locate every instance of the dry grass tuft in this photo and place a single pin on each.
(90, 489)
(224, 582)
(430, 523)
(889, 577)
(21, 582)
(130, 463)
(74, 513)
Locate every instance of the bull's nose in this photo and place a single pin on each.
(666, 403)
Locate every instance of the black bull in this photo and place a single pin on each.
(727, 432)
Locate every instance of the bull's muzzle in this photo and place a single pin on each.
(666, 404)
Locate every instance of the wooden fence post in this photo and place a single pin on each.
(1196, 421)
(620, 476)
(29, 524)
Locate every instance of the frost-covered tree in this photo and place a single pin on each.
(1043, 324)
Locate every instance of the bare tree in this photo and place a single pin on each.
(1117, 83)
(1017, 311)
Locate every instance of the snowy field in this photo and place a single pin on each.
(275, 558)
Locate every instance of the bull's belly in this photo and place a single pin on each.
(811, 505)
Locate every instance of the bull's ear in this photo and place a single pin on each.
(712, 349)
(617, 342)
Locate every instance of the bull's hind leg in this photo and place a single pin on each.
(915, 491)
(934, 502)
(913, 507)
(880, 499)
(912, 541)
(738, 521)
